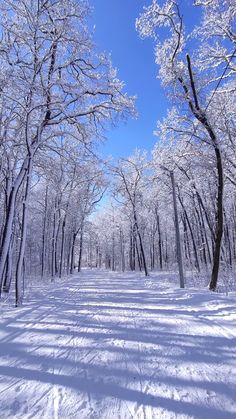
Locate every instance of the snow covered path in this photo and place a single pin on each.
(104, 345)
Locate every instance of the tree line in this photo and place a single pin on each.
(196, 144)
(58, 94)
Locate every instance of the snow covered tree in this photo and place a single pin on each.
(194, 87)
(53, 84)
(129, 175)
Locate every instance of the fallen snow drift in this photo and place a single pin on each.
(109, 345)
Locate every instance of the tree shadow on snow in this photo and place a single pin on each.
(113, 337)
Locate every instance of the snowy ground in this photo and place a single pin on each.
(118, 346)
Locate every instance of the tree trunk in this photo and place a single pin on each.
(219, 222)
(191, 234)
(53, 244)
(44, 234)
(7, 231)
(201, 115)
(20, 261)
(62, 246)
(141, 245)
(159, 242)
(178, 243)
(81, 246)
(72, 259)
(113, 253)
(8, 272)
(122, 253)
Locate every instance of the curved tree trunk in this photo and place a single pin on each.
(219, 222)
(201, 115)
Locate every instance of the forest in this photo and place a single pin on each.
(59, 95)
(117, 272)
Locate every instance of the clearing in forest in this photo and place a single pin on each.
(109, 345)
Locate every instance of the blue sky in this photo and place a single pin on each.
(134, 58)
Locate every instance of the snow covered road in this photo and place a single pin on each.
(106, 345)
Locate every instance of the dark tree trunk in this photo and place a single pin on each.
(219, 222)
(201, 115)
(81, 246)
(72, 259)
(141, 245)
(20, 261)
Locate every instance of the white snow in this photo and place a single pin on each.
(109, 345)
